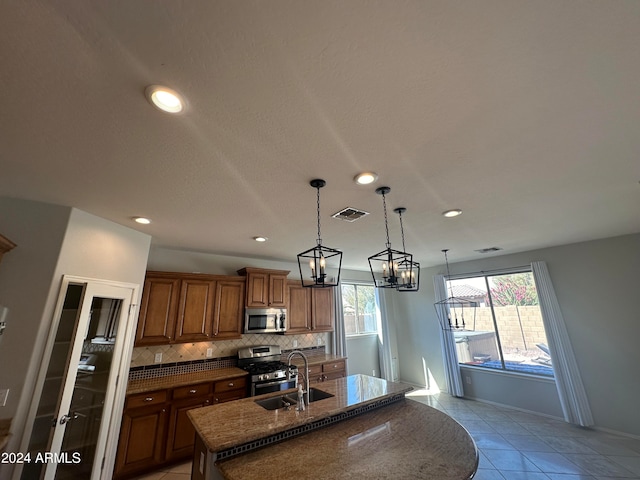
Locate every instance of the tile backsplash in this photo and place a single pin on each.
(182, 352)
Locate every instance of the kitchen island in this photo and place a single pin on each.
(365, 429)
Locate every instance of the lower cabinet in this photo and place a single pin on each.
(181, 434)
(142, 434)
(155, 427)
(327, 371)
(228, 390)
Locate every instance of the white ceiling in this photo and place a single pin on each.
(524, 114)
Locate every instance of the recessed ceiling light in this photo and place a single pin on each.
(142, 220)
(260, 239)
(164, 98)
(365, 178)
(452, 213)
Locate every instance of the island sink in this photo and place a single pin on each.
(290, 400)
(314, 395)
(274, 403)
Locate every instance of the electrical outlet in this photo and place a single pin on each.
(319, 341)
(374, 373)
(295, 344)
(158, 358)
(4, 394)
(468, 380)
(209, 352)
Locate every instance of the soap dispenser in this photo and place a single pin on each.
(300, 406)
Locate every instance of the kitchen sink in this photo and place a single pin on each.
(291, 400)
(274, 403)
(314, 395)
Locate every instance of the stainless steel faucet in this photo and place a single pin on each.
(306, 371)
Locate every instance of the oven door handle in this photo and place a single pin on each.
(277, 382)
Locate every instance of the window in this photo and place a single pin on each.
(359, 309)
(505, 330)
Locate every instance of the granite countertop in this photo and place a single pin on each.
(171, 381)
(406, 440)
(227, 425)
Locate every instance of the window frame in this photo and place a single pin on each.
(377, 310)
(485, 276)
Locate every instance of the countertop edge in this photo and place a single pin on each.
(183, 379)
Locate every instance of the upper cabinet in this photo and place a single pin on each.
(322, 317)
(158, 310)
(229, 309)
(299, 311)
(310, 309)
(266, 288)
(180, 308)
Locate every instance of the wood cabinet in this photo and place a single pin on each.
(266, 288)
(322, 312)
(228, 390)
(181, 308)
(195, 313)
(299, 310)
(327, 371)
(181, 434)
(158, 310)
(229, 309)
(310, 309)
(142, 434)
(156, 429)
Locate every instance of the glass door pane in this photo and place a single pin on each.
(72, 419)
(54, 381)
(87, 402)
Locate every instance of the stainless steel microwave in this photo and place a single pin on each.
(265, 320)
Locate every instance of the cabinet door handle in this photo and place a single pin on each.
(230, 384)
(193, 391)
(148, 399)
(335, 366)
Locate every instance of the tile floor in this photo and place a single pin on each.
(520, 446)
(515, 445)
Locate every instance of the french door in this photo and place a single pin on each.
(75, 421)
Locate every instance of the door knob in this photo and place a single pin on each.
(64, 419)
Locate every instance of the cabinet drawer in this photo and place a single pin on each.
(146, 399)
(333, 367)
(313, 370)
(229, 395)
(233, 384)
(192, 391)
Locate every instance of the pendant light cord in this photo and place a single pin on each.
(446, 259)
(386, 224)
(319, 241)
(404, 249)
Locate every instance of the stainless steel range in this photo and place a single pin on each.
(267, 372)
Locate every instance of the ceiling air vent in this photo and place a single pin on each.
(488, 250)
(349, 214)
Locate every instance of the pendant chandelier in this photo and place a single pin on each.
(385, 266)
(409, 271)
(452, 310)
(319, 266)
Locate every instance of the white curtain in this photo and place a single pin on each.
(339, 339)
(384, 341)
(573, 397)
(448, 342)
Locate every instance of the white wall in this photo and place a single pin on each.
(597, 284)
(52, 241)
(362, 352)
